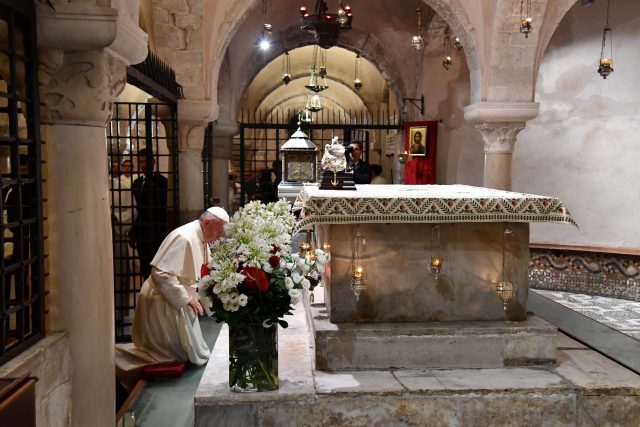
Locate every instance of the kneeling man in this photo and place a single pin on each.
(165, 325)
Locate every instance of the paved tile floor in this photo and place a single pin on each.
(618, 314)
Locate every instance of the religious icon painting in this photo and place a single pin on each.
(420, 146)
(418, 142)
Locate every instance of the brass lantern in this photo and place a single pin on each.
(358, 264)
(299, 164)
(505, 290)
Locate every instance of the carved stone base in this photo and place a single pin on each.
(339, 181)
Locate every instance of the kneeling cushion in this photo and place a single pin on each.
(164, 370)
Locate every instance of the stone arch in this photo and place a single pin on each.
(554, 14)
(220, 25)
(351, 41)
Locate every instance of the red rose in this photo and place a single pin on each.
(255, 279)
(274, 249)
(274, 261)
(204, 270)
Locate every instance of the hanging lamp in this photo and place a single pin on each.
(605, 66)
(417, 42)
(525, 18)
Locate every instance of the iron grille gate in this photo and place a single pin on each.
(258, 143)
(21, 236)
(143, 164)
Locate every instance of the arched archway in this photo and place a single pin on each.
(223, 25)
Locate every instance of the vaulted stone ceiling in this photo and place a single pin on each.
(267, 91)
(381, 33)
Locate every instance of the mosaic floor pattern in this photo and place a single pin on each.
(618, 314)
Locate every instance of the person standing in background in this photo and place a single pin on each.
(150, 194)
(361, 169)
(122, 215)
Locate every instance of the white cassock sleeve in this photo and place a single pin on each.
(170, 288)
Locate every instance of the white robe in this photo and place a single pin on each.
(165, 329)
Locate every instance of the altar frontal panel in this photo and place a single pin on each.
(400, 285)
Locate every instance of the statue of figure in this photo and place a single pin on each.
(333, 159)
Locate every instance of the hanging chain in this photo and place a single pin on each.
(606, 30)
(505, 235)
(266, 6)
(522, 9)
(435, 239)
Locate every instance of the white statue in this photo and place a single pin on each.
(333, 159)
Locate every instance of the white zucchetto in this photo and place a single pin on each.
(219, 213)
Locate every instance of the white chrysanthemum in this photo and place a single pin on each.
(288, 282)
(296, 277)
(295, 295)
(321, 256)
(242, 300)
(305, 283)
(230, 306)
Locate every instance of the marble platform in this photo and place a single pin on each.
(386, 345)
(583, 389)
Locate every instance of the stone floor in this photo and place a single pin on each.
(619, 314)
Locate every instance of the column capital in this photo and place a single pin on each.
(499, 138)
(501, 112)
(78, 88)
(81, 27)
(193, 117)
(224, 128)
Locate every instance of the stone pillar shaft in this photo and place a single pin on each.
(191, 184)
(193, 118)
(79, 79)
(222, 141)
(81, 266)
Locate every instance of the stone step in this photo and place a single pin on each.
(415, 345)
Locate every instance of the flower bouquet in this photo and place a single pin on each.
(251, 281)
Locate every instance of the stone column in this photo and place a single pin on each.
(499, 123)
(193, 117)
(80, 77)
(222, 141)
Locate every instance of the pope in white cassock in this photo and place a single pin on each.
(165, 325)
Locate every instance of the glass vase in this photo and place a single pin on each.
(253, 357)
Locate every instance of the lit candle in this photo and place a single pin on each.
(605, 61)
(435, 262)
(358, 272)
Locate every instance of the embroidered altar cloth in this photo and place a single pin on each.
(424, 204)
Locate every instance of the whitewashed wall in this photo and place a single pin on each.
(460, 155)
(584, 146)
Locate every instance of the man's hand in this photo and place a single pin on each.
(196, 306)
